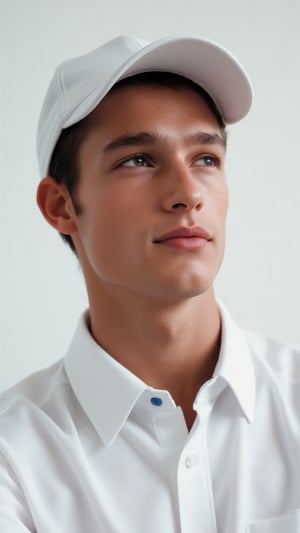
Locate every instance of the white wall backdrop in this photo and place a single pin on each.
(42, 290)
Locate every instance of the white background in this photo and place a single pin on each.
(41, 287)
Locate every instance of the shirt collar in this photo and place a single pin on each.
(106, 390)
(235, 364)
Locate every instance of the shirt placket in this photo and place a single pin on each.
(194, 485)
(196, 505)
(187, 456)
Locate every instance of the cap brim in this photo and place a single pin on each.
(204, 62)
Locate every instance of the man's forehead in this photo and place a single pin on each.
(137, 95)
(140, 115)
(170, 80)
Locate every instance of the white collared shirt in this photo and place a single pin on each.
(87, 447)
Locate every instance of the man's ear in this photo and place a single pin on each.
(56, 205)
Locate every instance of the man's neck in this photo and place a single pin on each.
(172, 347)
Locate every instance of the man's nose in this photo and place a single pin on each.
(182, 190)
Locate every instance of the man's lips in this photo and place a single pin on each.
(185, 238)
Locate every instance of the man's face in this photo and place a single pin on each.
(153, 194)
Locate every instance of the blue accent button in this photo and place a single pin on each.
(156, 401)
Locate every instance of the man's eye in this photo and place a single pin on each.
(207, 161)
(136, 161)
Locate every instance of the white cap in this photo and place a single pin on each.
(79, 84)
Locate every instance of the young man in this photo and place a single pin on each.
(163, 416)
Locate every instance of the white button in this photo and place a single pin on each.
(188, 461)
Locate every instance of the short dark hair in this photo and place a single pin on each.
(64, 163)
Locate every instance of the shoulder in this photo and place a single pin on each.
(274, 357)
(33, 399)
(35, 388)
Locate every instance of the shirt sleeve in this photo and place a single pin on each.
(14, 512)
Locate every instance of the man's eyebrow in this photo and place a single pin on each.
(147, 138)
(132, 139)
(203, 137)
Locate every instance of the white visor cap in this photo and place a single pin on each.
(78, 85)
